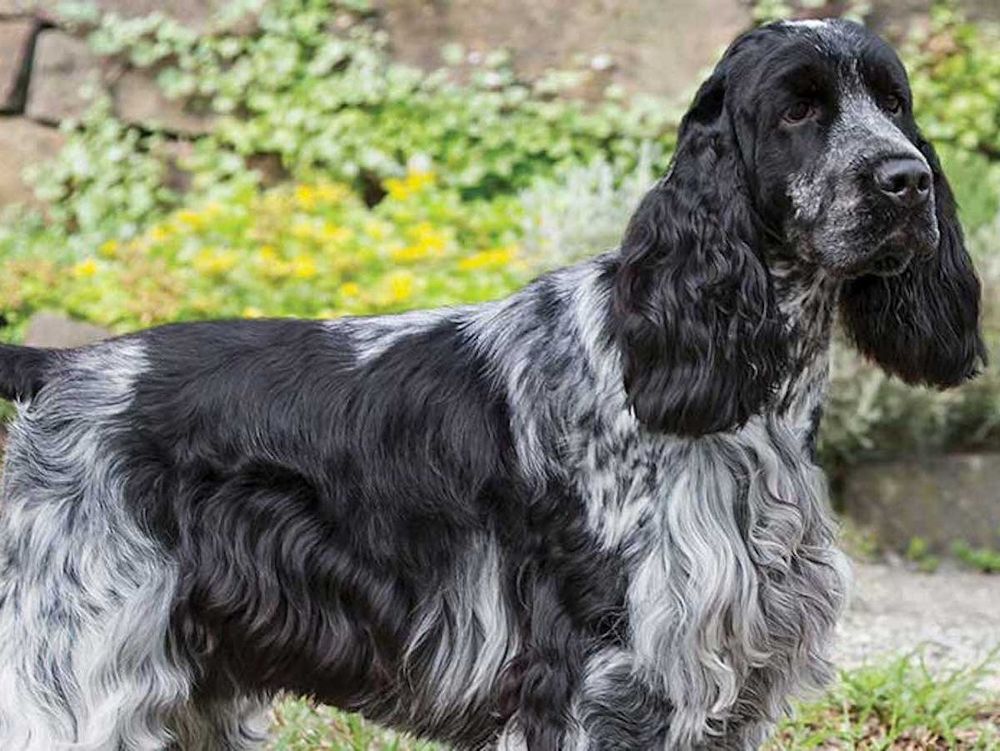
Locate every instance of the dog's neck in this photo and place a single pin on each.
(808, 298)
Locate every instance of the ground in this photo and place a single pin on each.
(954, 616)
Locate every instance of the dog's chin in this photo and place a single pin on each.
(888, 256)
(890, 263)
(884, 261)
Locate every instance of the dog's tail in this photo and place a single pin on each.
(22, 371)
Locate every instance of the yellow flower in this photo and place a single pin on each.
(159, 233)
(303, 231)
(398, 287)
(108, 249)
(305, 196)
(350, 289)
(332, 193)
(192, 219)
(376, 230)
(215, 262)
(488, 259)
(303, 267)
(331, 233)
(85, 268)
(402, 188)
(252, 312)
(409, 253)
(271, 263)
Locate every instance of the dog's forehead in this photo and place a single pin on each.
(845, 47)
(836, 41)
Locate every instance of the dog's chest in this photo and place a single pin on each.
(721, 537)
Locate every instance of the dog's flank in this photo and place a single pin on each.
(583, 517)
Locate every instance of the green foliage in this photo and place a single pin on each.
(765, 11)
(315, 88)
(981, 559)
(109, 178)
(919, 553)
(955, 75)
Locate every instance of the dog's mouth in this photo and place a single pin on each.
(914, 239)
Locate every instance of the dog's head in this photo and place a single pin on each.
(800, 149)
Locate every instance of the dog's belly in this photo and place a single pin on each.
(734, 581)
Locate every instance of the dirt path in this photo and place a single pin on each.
(953, 615)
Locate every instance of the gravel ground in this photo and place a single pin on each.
(953, 615)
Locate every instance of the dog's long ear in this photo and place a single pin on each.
(702, 341)
(922, 325)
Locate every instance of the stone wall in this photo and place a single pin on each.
(49, 75)
(939, 499)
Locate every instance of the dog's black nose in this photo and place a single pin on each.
(907, 182)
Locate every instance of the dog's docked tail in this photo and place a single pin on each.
(22, 371)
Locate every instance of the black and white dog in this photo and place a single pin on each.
(583, 517)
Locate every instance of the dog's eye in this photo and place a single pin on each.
(893, 104)
(801, 110)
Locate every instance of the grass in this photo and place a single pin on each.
(302, 726)
(899, 705)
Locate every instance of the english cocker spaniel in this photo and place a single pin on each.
(586, 516)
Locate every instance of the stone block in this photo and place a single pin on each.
(64, 78)
(59, 331)
(941, 499)
(17, 7)
(138, 99)
(196, 14)
(653, 46)
(17, 37)
(23, 143)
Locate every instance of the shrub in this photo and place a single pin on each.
(308, 249)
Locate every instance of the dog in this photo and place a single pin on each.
(586, 516)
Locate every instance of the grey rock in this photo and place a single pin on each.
(654, 46)
(941, 499)
(59, 331)
(17, 7)
(196, 14)
(138, 99)
(16, 40)
(23, 143)
(64, 80)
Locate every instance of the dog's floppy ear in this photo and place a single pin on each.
(922, 325)
(702, 340)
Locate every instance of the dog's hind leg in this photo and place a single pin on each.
(231, 725)
(85, 595)
(84, 659)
